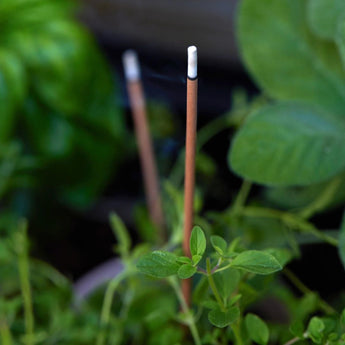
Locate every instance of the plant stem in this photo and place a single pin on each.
(305, 290)
(242, 196)
(190, 321)
(24, 276)
(213, 285)
(237, 334)
(289, 219)
(107, 303)
(293, 341)
(5, 333)
(322, 200)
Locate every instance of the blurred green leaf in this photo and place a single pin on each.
(197, 242)
(285, 59)
(186, 271)
(257, 329)
(256, 262)
(222, 319)
(289, 144)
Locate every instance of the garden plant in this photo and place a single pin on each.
(288, 149)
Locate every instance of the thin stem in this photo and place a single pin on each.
(242, 195)
(24, 277)
(107, 303)
(213, 285)
(293, 341)
(305, 290)
(190, 318)
(289, 219)
(323, 200)
(237, 334)
(5, 333)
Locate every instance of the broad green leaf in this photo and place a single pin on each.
(257, 329)
(341, 245)
(285, 59)
(315, 329)
(226, 281)
(197, 241)
(289, 144)
(222, 319)
(121, 234)
(219, 244)
(159, 264)
(186, 271)
(256, 262)
(323, 16)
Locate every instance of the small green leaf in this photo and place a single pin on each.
(184, 260)
(219, 244)
(186, 271)
(197, 241)
(342, 318)
(297, 329)
(121, 234)
(222, 319)
(159, 264)
(315, 329)
(257, 329)
(226, 281)
(196, 259)
(234, 299)
(256, 262)
(282, 255)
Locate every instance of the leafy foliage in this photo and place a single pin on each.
(58, 88)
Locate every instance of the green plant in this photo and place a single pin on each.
(57, 99)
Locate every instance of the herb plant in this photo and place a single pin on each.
(57, 99)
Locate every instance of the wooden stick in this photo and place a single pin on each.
(191, 122)
(148, 164)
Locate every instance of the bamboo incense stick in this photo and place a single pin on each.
(148, 164)
(191, 121)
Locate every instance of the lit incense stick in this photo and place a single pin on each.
(148, 164)
(192, 98)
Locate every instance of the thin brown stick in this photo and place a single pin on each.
(147, 160)
(189, 184)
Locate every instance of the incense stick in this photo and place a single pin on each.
(148, 164)
(191, 121)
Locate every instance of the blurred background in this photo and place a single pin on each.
(68, 152)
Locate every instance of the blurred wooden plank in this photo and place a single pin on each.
(168, 26)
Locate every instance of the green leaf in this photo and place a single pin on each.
(323, 16)
(289, 144)
(285, 59)
(196, 259)
(159, 264)
(257, 329)
(315, 329)
(121, 234)
(226, 281)
(184, 260)
(219, 244)
(222, 319)
(256, 262)
(282, 255)
(186, 271)
(197, 241)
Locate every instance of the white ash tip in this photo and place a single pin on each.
(131, 65)
(192, 71)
